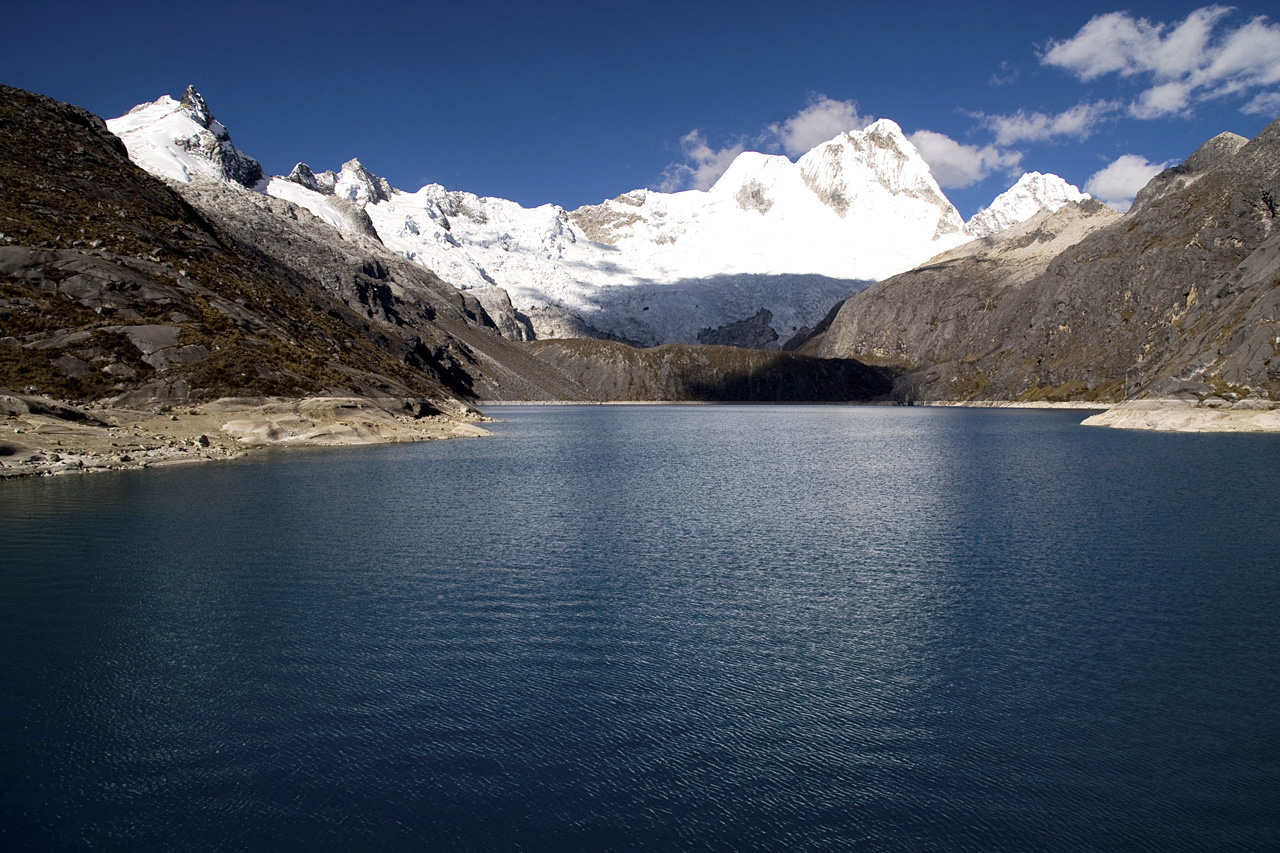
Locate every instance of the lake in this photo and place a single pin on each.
(655, 628)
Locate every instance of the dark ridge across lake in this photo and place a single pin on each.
(655, 628)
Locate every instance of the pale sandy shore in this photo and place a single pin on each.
(41, 437)
(1015, 404)
(1179, 416)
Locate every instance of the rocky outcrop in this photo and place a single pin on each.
(1209, 156)
(353, 183)
(214, 144)
(755, 332)
(1179, 298)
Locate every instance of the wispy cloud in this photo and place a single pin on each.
(955, 165)
(703, 164)
(821, 119)
(1199, 58)
(1078, 122)
(1263, 104)
(1006, 74)
(1120, 181)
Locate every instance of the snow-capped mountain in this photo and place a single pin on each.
(179, 140)
(861, 206)
(649, 267)
(1032, 193)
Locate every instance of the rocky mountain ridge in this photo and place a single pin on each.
(857, 208)
(115, 287)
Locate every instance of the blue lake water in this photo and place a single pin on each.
(655, 628)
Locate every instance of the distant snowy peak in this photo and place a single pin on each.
(863, 205)
(860, 167)
(1032, 193)
(181, 140)
(353, 182)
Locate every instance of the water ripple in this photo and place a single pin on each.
(648, 628)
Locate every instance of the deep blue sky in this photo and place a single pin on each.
(573, 103)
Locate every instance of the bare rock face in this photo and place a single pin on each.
(1209, 156)
(614, 372)
(214, 144)
(1178, 298)
(511, 324)
(303, 176)
(755, 332)
(604, 223)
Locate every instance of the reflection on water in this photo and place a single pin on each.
(655, 628)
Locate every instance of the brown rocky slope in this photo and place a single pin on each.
(1177, 299)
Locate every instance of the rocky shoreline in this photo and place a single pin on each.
(1164, 415)
(42, 437)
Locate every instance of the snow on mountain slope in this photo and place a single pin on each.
(179, 140)
(1032, 193)
(651, 267)
(861, 206)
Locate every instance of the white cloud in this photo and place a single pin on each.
(1197, 59)
(1265, 104)
(1077, 122)
(1165, 99)
(823, 119)
(1119, 182)
(703, 167)
(955, 165)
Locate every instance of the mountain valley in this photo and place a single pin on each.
(132, 295)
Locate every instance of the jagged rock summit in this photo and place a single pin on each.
(646, 267)
(181, 139)
(354, 182)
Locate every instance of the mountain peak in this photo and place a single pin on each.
(869, 163)
(885, 128)
(180, 140)
(303, 176)
(1032, 193)
(356, 183)
(195, 105)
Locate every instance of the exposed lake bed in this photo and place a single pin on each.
(40, 437)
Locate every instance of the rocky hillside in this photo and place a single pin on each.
(676, 372)
(113, 286)
(1178, 298)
